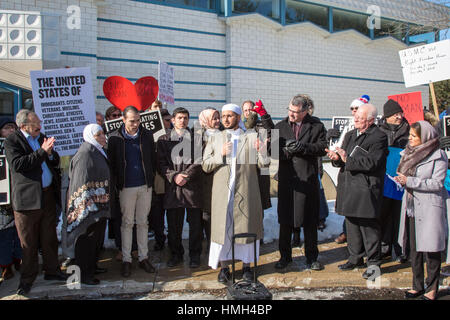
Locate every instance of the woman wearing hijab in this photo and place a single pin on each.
(210, 122)
(422, 171)
(87, 204)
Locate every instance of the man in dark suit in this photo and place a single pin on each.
(36, 190)
(362, 160)
(302, 141)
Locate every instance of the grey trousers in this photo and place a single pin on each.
(363, 237)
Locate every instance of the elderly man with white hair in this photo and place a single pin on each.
(362, 162)
(233, 156)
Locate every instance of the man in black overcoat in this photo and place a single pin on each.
(35, 193)
(302, 139)
(362, 162)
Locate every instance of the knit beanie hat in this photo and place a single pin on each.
(360, 101)
(390, 108)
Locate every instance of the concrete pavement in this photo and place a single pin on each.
(173, 282)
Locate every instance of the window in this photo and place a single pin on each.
(268, 8)
(299, 11)
(205, 4)
(6, 102)
(344, 20)
(396, 29)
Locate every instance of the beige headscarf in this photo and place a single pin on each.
(205, 118)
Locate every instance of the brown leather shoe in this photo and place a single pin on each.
(7, 273)
(147, 266)
(126, 269)
(341, 239)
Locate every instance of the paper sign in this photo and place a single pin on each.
(166, 83)
(411, 104)
(4, 181)
(344, 125)
(64, 101)
(425, 64)
(150, 120)
(446, 121)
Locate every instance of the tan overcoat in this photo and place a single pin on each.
(247, 210)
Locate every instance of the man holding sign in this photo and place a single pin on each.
(36, 188)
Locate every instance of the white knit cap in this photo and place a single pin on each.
(232, 107)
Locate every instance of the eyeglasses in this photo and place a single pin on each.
(294, 111)
(116, 115)
(353, 108)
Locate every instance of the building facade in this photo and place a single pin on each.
(222, 51)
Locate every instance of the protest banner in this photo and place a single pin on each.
(391, 189)
(426, 64)
(166, 83)
(446, 121)
(4, 181)
(150, 120)
(64, 101)
(343, 125)
(411, 104)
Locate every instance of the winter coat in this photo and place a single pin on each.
(397, 135)
(88, 197)
(247, 211)
(430, 208)
(361, 178)
(189, 195)
(264, 179)
(26, 172)
(116, 156)
(298, 182)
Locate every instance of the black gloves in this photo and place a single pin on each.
(444, 142)
(333, 133)
(293, 146)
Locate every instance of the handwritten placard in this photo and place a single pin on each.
(426, 64)
(411, 104)
(64, 101)
(166, 83)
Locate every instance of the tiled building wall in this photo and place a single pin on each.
(217, 61)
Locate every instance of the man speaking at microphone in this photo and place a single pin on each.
(234, 156)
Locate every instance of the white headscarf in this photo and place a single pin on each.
(88, 135)
(236, 109)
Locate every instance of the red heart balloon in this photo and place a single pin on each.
(147, 91)
(122, 93)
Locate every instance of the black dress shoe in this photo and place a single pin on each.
(91, 282)
(224, 275)
(158, 246)
(424, 297)
(126, 269)
(99, 270)
(247, 274)
(58, 276)
(24, 288)
(194, 263)
(147, 266)
(174, 261)
(412, 295)
(282, 263)
(350, 266)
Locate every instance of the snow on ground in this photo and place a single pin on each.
(271, 227)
